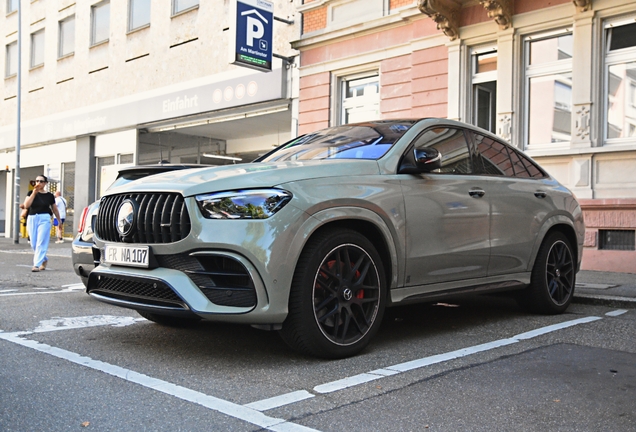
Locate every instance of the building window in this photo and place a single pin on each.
(620, 80)
(183, 5)
(11, 59)
(100, 22)
(127, 158)
(548, 89)
(138, 14)
(37, 48)
(102, 174)
(67, 37)
(616, 240)
(360, 98)
(484, 91)
(12, 6)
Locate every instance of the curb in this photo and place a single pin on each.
(612, 301)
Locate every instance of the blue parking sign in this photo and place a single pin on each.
(254, 29)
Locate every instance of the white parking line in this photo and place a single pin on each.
(238, 411)
(279, 401)
(439, 358)
(66, 289)
(228, 408)
(616, 312)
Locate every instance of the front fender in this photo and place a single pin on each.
(576, 226)
(392, 236)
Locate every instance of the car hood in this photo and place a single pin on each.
(246, 176)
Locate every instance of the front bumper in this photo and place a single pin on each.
(206, 284)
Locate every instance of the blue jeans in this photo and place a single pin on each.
(39, 228)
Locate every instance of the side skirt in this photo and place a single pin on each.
(423, 293)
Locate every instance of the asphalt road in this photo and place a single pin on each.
(68, 362)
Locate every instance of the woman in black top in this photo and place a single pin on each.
(41, 205)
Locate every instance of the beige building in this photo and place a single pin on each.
(107, 83)
(556, 78)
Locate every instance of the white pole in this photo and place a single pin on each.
(16, 211)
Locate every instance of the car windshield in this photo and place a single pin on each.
(356, 141)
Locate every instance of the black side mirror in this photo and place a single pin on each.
(420, 161)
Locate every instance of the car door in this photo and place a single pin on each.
(447, 214)
(521, 199)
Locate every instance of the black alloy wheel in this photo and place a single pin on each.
(346, 294)
(553, 276)
(338, 296)
(560, 273)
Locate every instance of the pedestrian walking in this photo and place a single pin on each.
(60, 202)
(41, 205)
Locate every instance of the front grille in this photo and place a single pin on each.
(135, 290)
(223, 280)
(160, 218)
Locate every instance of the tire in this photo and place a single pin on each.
(335, 309)
(169, 321)
(84, 281)
(553, 277)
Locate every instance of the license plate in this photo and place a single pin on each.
(134, 256)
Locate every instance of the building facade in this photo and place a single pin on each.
(556, 78)
(106, 84)
(112, 83)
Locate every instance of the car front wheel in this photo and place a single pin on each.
(553, 276)
(337, 297)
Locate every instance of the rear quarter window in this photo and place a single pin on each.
(500, 159)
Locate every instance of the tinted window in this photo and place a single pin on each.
(359, 141)
(621, 37)
(499, 159)
(452, 145)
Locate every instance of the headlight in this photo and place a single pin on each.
(243, 204)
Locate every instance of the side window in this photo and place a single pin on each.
(499, 159)
(452, 145)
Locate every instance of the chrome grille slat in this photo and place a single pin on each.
(154, 209)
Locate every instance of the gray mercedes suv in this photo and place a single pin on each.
(319, 236)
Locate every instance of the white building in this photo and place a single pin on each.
(134, 82)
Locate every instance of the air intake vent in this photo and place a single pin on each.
(160, 218)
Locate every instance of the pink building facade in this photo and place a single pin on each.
(556, 78)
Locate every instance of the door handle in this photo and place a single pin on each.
(540, 194)
(476, 193)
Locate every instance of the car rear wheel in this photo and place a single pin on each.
(337, 297)
(167, 320)
(553, 276)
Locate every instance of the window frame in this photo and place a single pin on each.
(62, 34)
(130, 23)
(612, 58)
(94, 15)
(342, 81)
(479, 79)
(9, 4)
(557, 67)
(8, 57)
(34, 37)
(175, 11)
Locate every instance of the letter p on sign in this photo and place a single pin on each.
(255, 30)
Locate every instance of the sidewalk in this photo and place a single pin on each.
(592, 287)
(612, 289)
(55, 249)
